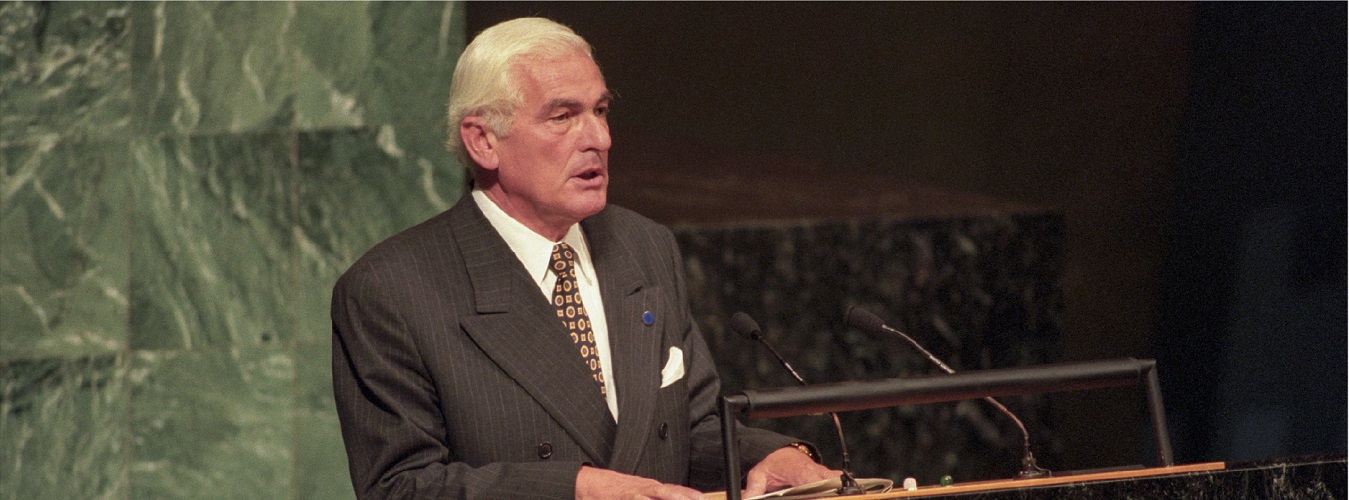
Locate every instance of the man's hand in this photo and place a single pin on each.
(592, 482)
(785, 468)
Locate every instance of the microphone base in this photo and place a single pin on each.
(1032, 474)
(1029, 469)
(848, 486)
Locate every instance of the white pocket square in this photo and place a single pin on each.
(674, 368)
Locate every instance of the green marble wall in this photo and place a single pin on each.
(181, 184)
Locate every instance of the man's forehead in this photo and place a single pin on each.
(571, 80)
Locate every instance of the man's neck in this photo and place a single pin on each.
(527, 217)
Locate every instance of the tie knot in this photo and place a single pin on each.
(562, 260)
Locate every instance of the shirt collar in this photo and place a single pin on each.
(533, 251)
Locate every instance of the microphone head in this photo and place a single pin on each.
(860, 319)
(745, 326)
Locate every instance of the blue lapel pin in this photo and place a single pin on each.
(648, 319)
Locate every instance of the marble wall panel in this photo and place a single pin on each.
(320, 458)
(164, 283)
(64, 69)
(357, 187)
(212, 256)
(414, 48)
(64, 264)
(212, 423)
(980, 292)
(63, 428)
(244, 66)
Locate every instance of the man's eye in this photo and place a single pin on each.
(603, 111)
(560, 118)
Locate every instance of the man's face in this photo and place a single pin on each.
(553, 168)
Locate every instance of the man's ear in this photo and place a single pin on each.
(479, 141)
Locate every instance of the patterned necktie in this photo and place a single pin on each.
(567, 300)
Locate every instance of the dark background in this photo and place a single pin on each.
(1197, 153)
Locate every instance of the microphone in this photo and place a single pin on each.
(748, 328)
(870, 323)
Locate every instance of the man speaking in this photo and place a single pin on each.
(532, 341)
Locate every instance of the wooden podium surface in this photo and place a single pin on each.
(1008, 484)
(1314, 477)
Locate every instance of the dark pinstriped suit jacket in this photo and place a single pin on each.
(453, 377)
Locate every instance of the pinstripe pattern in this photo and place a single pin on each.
(450, 369)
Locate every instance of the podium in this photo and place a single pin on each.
(1305, 477)
(1312, 477)
(861, 395)
(1317, 477)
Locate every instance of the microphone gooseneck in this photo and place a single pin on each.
(748, 328)
(870, 323)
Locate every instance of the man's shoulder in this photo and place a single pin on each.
(408, 249)
(629, 229)
(412, 238)
(621, 220)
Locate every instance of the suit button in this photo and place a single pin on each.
(545, 450)
(663, 431)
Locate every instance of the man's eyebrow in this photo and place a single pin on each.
(573, 103)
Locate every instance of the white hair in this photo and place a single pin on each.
(485, 82)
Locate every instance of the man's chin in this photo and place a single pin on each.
(596, 207)
(591, 203)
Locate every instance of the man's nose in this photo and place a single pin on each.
(596, 133)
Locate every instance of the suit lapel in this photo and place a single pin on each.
(635, 346)
(518, 329)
